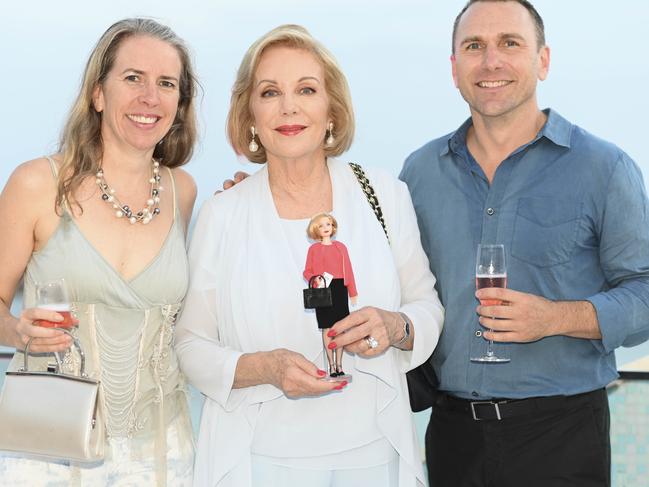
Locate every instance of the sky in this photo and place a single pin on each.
(395, 54)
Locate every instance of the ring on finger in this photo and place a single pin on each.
(371, 342)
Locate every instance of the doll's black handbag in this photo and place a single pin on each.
(317, 297)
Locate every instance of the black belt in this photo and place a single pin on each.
(497, 409)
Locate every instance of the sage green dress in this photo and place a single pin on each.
(126, 328)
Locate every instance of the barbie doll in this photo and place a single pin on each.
(330, 259)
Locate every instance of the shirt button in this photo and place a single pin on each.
(478, 333)
(475, 394)
(490, 211)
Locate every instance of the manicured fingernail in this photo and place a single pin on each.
(343, 383)
(331, 333)
(332, 345)
(321, 373)
(339, 387)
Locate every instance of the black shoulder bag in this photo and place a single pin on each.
(422, 381)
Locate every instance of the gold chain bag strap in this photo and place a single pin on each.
(52, 414)
(370, 194)
(422, 381)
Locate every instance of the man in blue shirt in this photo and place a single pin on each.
(572, 213)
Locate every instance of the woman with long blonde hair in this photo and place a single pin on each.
(108, 214)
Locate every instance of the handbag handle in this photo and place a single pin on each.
(314, 276)
(75, 342)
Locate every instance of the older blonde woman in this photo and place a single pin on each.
(245, 339)
(108, 213)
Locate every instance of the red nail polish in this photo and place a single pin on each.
(321, 373)
(331, 333)
(343, 383)
(332, 345)
(338, 388)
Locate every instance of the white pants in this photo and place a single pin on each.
(265, 473)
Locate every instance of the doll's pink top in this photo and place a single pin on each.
(333, 259)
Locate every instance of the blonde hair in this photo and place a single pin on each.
(81, 143)
(312, 229)
(240, 117)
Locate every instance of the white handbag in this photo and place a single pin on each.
(52, 414)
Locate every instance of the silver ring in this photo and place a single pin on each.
(371, 342)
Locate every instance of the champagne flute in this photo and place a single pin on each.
(490, 271)
(54, 296)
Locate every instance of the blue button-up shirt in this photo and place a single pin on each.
(573, 215)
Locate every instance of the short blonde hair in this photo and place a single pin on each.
(240, 117)
(312, 229)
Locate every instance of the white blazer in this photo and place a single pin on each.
(245, 295)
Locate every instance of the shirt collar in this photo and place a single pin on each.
(556, 129)
(456, 140)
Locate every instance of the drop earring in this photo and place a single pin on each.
(330, 135)
(253, 146)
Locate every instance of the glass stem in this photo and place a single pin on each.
(490, 352)
(59, 362)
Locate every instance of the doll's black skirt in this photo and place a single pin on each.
(327, 317)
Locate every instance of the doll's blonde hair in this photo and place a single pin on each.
(312, 229)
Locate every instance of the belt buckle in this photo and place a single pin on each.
(494, 404)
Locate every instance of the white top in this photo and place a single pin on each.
(245, 295)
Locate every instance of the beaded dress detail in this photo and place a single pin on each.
(126, 328)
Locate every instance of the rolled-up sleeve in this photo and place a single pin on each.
(623, 309)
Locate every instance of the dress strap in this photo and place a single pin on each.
(55, 170)
(173, 190)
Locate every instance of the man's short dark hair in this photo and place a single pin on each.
(538, 21)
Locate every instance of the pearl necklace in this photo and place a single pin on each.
(147, 213)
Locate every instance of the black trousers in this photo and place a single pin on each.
(542, 442)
